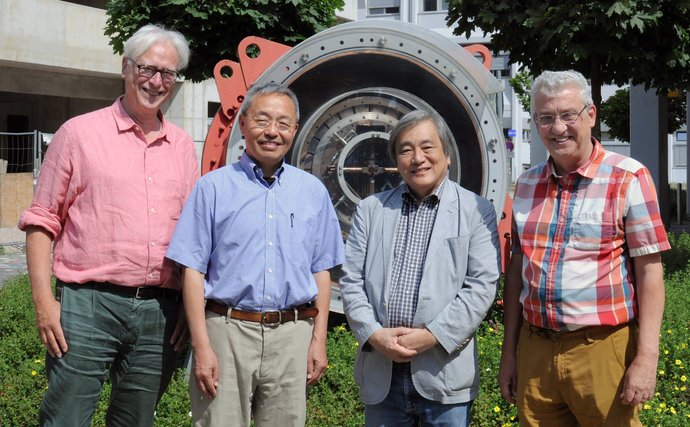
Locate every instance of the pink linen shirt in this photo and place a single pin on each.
(578, 234)
(111, 201)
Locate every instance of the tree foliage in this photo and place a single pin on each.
(615, 113)
(610, 42)
(214, 28)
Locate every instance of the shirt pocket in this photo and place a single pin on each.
(593, 231)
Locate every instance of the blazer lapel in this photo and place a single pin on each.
(391, 211)
(446, 224)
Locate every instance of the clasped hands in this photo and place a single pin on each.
(402, 344)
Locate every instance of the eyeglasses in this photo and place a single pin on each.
(149, 71)
(568, 118)
(264, 123)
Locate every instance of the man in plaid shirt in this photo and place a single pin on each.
(584, 291)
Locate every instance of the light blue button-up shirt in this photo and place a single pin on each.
(258, 244)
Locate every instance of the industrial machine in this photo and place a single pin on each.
(354, 81)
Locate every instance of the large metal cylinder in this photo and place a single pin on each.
(354, 81)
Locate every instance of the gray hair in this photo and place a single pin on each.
(150, 34)
(271, 88)
(414, 118)
(551, 82)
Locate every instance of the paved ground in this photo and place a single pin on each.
(13, 261)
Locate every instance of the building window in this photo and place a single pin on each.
(384, 7)
(434, 5)
(680, 155)
(682, 136)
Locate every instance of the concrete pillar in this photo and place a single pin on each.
(649, 140)
(687, 159)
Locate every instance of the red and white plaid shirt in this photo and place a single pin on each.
(578, 234)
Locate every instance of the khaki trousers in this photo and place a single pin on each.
(576, 378)
(263, 373)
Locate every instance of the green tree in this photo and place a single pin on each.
(615, 113)
(610, 42)
(214, 28)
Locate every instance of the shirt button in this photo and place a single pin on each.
(268, 298)
(153, 243)
(270, 270)
(270, 243)
(270, 217)
(150, 179)
(153, 210)
(549, 305)
(150, 275)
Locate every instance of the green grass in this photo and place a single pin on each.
(334, 400)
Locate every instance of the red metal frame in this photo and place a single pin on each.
(233, 79)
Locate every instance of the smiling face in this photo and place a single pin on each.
(422, 162)
(268, 128)
(569, 145)
(144, 96)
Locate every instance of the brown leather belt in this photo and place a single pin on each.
(268, 318)
(553, 335)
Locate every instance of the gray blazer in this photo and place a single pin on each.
(457, 288)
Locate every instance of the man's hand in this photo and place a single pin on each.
(181, 333)
(507, 378)
(419, 340)
(640, 380)
(49, 329)
(317, 361)
(387, 342)
(206, 371)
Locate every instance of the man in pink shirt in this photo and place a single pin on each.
(111, 189)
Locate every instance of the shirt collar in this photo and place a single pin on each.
(125, 123)
(253, 171)
(433, 197)
(588, 170)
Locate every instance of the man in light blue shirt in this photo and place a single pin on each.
(257, 238)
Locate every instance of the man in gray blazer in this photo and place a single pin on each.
(420, 273)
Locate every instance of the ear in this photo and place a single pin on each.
(592, 115)
(125, 61)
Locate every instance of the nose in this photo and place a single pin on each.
(272, 128)
(418, 155)
(558, 126)
(157, 78)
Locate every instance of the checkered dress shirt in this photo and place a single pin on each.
(412, 234)
(578, 234)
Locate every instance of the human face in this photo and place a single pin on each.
(422, 163)
(570, 145)
(268, 128)
(145, 95)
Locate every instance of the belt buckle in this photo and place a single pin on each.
(139, 294)
(267, 313)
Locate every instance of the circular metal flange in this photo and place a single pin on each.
(402, 64)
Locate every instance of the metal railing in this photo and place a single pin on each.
(22, 152)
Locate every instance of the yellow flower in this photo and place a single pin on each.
(662, 405)
(673, 411)
(669, 331)
(678, 362)
(33, 372)
(491, 329)
(646, 406)
(341, 328)
(665, 351)
(37, 361)
(497, 409)
(682, 388)
(661, 372)
(683, 378)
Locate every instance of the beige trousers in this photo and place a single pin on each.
(263, 374)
